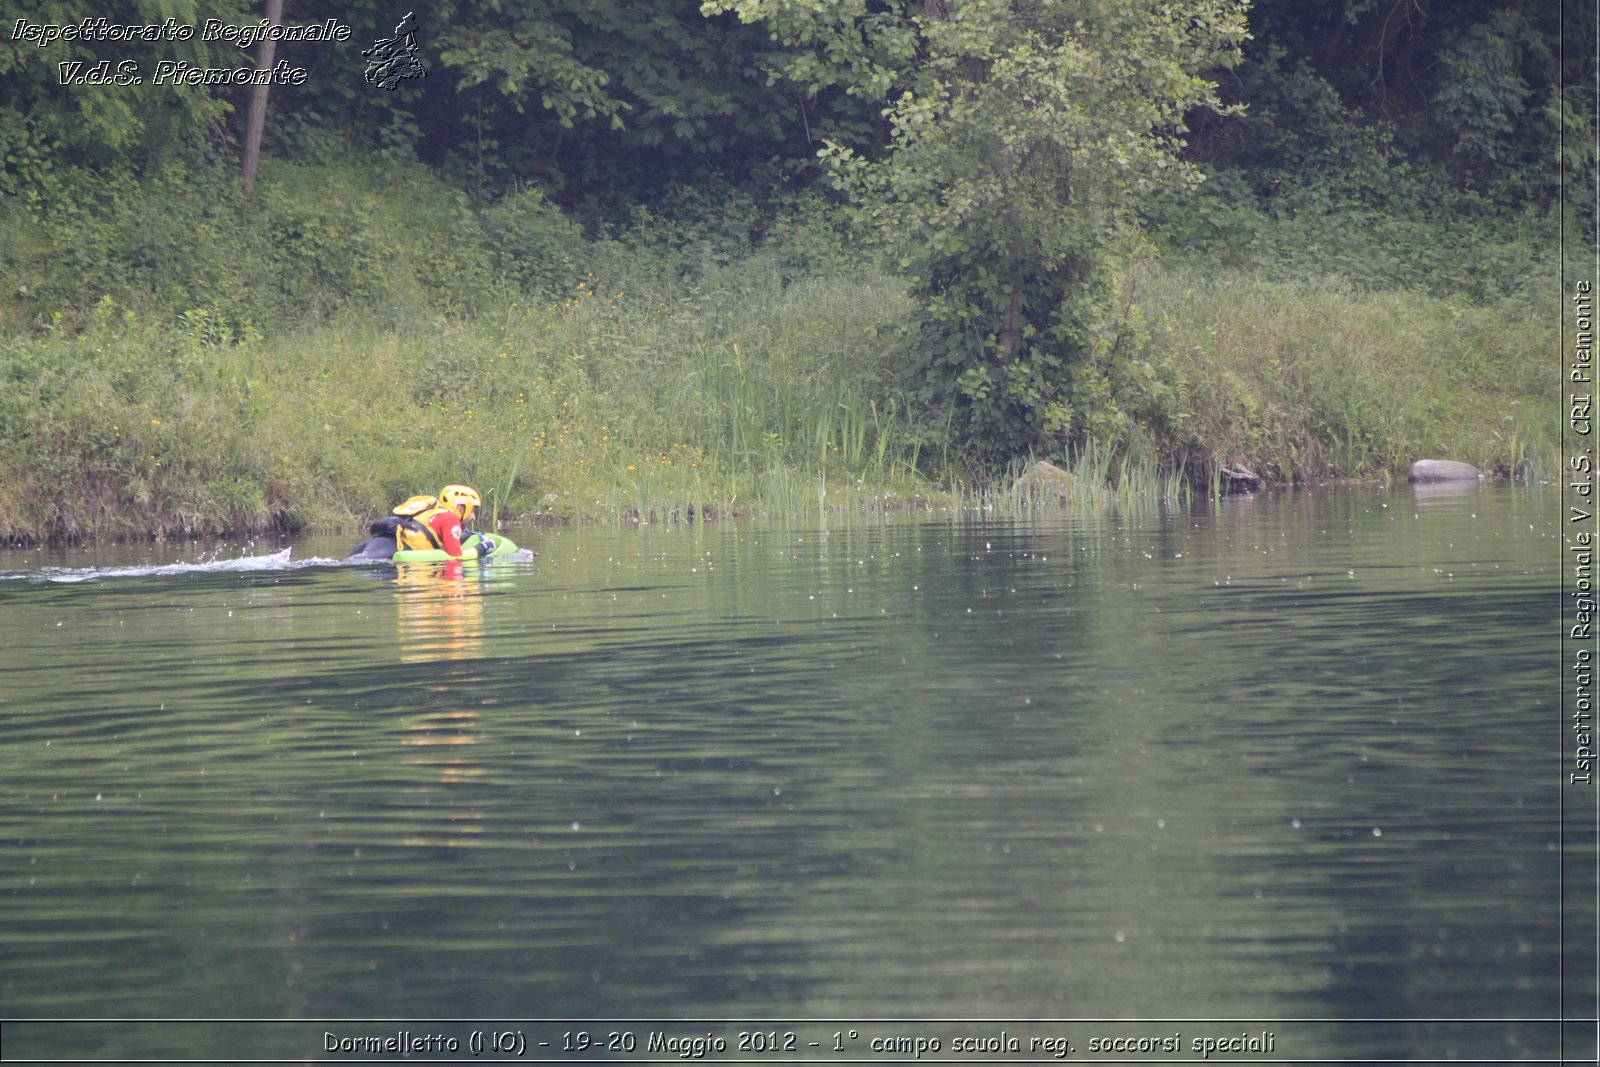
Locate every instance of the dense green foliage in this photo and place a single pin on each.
(808, 249)
(601, 101)
(649, 398)
(1397, 145)
(1021, 139)
(49, 126)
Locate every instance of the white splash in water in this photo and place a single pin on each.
(276, 561)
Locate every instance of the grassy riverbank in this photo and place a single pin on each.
(713, 357)
(1320, 379)
(740, 393)
(636, 268)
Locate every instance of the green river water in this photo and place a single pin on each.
(1285, 771)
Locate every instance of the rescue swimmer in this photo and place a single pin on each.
(426, 522)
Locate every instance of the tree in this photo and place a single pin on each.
(257, 118)
(1023, 135)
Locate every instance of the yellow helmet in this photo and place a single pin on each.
(462, 499)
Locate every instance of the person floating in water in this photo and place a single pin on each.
(436, 522)
(428, 522)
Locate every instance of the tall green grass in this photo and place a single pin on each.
(1092, 477)
(743, 395)
(665, 403)
(1302, 381)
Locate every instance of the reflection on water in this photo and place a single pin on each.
(1275, 761)
(440, 611)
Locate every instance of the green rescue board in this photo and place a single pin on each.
(498, 546)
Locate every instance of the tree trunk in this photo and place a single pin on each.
(256, 121)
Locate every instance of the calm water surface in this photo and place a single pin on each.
(1294, 757)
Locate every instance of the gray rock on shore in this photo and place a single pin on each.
(1046, 481)
(1428, 471)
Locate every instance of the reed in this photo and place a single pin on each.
(1318, 379)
